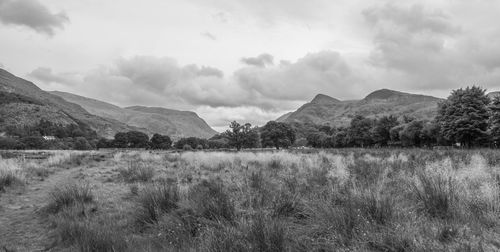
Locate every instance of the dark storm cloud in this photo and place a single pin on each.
(32, 14)
(259, 61)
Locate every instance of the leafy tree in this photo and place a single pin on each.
(410, 135)
(359, 131)
(160, 142)
(494, 121)
(82, 144)
(7, 143)
(33, 142)
(242, 136)
(277, 134)
(317, 139)
(463, 117)
(430, 134)
(395, 132)
(121, 140)
(104, 143)
(193, 142)
(381, 132)
(137, 139)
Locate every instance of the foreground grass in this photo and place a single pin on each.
(342, 200)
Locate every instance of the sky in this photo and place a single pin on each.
(251, 60)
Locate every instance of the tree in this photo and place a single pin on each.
(277, 134)
(494, 121)
(33, 142)
(430, 134)
(359, 131)
(317, 139)
(104, 143)
(137, 139)
(463, 117)
(7, 143)
(121, 140)
(160, 142)
(82, 144)
(242, 136)
(381, 132)
(410, 135)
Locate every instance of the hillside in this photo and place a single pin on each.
(170, 122)
(328, 110)
(30, 104)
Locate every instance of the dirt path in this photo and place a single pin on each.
(21, 228)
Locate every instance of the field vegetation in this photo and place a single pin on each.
(309, 200)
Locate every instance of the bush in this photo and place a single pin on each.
(155, 200)
(211, 202)
(187, 147)
(68, 195)
(266, 234)
(435, 195)
(9, 178)
(137, 171)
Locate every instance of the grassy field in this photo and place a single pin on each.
(335, 200)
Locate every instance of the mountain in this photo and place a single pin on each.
(170, 122)
(324, 99)
(47, 106)
(324, 109)
(492, 95)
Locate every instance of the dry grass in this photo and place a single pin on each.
(338, 200)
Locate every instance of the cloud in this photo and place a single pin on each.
(259, 61)
(209, 35)
(324, 71)
(32, 14)
(422, 49)
(46, 75)
(270, 11)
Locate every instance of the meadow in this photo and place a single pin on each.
(290, 200)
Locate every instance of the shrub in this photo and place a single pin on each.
(137, 171)
(155, 200)
(68, 195)
(378, 208)
(187, 147)
(435, 195)
(222, 239)
(266, 235)
(211, 202)
(8, 178)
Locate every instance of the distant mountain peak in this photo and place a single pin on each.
(324, 99)
(383, 94)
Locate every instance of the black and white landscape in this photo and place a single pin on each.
(234, 125)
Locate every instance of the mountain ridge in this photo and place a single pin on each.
(52, 107)
(174, 123)
(377, 103)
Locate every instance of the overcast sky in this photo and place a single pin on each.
(249, 60)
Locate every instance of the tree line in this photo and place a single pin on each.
(468, 117)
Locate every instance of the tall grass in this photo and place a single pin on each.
(69, 195)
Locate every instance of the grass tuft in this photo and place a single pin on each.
(69, 195)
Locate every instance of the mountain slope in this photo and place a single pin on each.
(49, 107)
(328, 110)
(170, 122)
